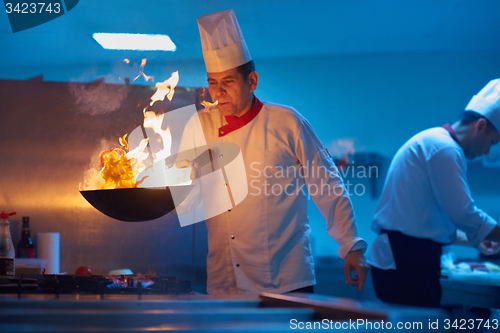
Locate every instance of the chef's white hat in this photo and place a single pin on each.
(222, 42)
(487, 103)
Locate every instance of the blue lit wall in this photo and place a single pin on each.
(377, 101)
(380, 101)
(371, 72)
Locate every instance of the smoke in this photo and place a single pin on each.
(97, 98)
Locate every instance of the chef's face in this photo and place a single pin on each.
(484, 138)
(233, 92)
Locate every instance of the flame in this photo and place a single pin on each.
(122, 167)
(138, 153)
(154, 122)
(206, 104)
(165, 88)
(141, 72)
(126, 61)
(160, 142)
(123, 141)
(132, 282)
(117, 170)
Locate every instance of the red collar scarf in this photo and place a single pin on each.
(234, 123)
(451, 131)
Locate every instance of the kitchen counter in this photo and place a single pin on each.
(471, 294)
(266, 312)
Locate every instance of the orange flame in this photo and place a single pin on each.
(121, 169)
(117, 170)
(206, 104)
(154, 122)
(166, 88)
(141, 72)
(126, 61)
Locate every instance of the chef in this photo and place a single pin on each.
(426, 200)
(263, 243)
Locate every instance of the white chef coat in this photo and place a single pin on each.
(426, 195)
(262, 244)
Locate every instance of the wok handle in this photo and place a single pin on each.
(201, 160)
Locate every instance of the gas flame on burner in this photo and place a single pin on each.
(126, 282)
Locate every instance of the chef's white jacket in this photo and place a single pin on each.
(262, 244)
(426, 195)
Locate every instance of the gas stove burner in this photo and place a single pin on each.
(13, 285)
(93, 284)
(127, 282)
(68, 284)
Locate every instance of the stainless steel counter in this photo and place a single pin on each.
(201, 313)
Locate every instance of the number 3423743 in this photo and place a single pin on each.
(33, 8)
(462, 324)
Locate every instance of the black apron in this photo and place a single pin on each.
(418, 269)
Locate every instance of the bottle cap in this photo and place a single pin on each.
(4, 215)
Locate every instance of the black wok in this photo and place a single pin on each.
(142, 204)
(136, 204)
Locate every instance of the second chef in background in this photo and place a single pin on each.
(426, 198)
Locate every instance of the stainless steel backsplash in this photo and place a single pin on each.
(49, 132)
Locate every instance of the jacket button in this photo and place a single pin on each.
(221, 131)
(237, 265)
(232, 237)
(220, 156)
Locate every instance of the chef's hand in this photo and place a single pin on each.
(489, 248)
(355, 261)
(195, 168)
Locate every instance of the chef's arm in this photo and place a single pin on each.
(451, 190)
(494, 235)
(193, 148)
(195, 168)
(491, 244)
(333, 202)
(195, 164)
(488, 247)
(461, 239)
(355, 261)
(331, 196)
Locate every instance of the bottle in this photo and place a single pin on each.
(7, 251)
(25, 248)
